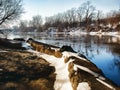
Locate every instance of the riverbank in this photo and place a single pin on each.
(49, 68)
(78, 32)
(73, 68)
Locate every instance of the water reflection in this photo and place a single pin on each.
(104, 51)
(117, 61)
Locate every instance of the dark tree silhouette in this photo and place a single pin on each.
(37, 22)
(10, 10)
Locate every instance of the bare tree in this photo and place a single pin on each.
(70, 18)
(80, 14)
(10, 10)
(89, 12)
(99, 16)
(37, 22)
(23, 26)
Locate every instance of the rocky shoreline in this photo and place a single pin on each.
(24, 70)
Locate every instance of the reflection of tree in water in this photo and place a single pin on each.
(89, 46)
(94, 44)
(117, 61)
(115, 48)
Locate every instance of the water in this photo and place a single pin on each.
(104, 51)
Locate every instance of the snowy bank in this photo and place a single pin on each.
(81, 32)
(72, 71)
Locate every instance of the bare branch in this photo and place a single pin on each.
(10, 10)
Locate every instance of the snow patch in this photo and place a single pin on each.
(68, 54)
(56, 49)
(61, 69)
(3, 51)
(91, 72)
(83, 86)
(26, 45)
(1, 69)
(62, 74)
(81, 32)
(106, 84)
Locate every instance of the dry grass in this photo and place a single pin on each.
(46, 49)
(40, 84)
(58, 54)
(66, 59)
(21, 71)
(49, 51)
(73, 75)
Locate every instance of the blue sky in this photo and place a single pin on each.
(51, 7)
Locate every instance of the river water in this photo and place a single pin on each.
(104, 51)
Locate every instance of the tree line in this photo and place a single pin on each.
(85, 16)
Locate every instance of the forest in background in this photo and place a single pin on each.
(86, 16)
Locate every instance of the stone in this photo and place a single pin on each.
(66, 48)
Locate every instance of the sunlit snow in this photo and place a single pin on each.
(61, 69)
